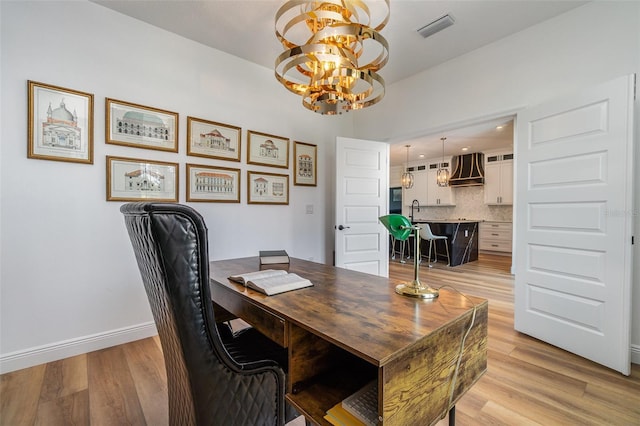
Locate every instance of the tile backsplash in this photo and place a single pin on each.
(469, 205)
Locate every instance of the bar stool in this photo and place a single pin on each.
(404, 248)
(427, 235)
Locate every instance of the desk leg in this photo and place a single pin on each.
(452, 416)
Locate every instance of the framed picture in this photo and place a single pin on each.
(213, 140)
(267, 188)
(305, 167)
(60, 124)
(132, 179)
(267, 150)
(213, 184)
(140, 126)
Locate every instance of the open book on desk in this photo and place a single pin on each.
(272, 281)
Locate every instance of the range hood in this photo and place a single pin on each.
(468, 171)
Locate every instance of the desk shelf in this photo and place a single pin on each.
(321, 374)
(327, 390)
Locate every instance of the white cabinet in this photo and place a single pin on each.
(418, 191)
(438, 195)
(425, 187)
(498, 179)
(495, 237)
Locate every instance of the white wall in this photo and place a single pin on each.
(69, 282)
(586, 46)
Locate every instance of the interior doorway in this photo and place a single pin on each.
(491, 137)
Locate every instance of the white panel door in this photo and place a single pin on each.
(362, 187)
(574, 168)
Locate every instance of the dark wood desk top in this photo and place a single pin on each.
(358, 312)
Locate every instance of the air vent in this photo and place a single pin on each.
(437, 25)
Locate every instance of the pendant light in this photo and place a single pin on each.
(407, 176)
(443, 173)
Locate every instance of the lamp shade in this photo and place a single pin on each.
(398, 226)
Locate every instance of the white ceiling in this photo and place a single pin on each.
(489, 135)
(246, 29)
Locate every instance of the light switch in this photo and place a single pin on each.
(309, 208)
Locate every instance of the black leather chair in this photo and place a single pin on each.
(215, 377)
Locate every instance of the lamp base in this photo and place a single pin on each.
(415, 289)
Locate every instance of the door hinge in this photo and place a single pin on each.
(632, 242)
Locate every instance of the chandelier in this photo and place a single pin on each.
(443, 173)
(333, 52)
(407, 176)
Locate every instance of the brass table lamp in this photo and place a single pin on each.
(400, 227)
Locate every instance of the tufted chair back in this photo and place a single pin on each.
(206, 385)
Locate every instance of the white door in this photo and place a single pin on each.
(574, 165)
(362, 188)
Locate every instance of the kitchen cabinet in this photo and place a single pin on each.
(498, 179)
(496, 237)
(419, 189)
(438, 195)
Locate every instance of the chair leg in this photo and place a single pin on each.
(393, 247)
(402, 252)
(408, 249)
(431, 242)
(446, 246)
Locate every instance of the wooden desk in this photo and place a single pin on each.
(351, 328)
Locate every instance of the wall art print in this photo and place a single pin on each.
(213, 184)
(140, 126)
(133, 179)
(213, 140)
(305, 167)
(60, 124)
(267, 188)
(267, 150)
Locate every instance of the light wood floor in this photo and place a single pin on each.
(528, 382)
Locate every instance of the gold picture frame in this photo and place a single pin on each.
(267, 150)
(60, 123)
(305, 164)
(140, 126)
(212, 184)
(211, 139)
(134, 179)
(267, 188)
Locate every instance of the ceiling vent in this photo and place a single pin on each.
(469, 170)
(437, 25)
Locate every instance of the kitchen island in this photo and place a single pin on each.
(462, 239)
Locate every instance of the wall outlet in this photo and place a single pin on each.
(309, 208)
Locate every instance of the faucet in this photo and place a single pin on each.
(413, 203)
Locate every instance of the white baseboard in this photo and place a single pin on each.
(67, 348)
(635, 354)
